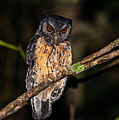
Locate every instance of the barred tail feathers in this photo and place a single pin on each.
(42, 103)
(40, 109)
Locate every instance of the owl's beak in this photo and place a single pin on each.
(55, 39)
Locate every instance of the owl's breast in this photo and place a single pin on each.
(50, 60)
(60, 59)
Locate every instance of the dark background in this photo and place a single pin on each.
(95, 24)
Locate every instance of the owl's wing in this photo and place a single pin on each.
(30, 61)
(31, 49)
(58, 90)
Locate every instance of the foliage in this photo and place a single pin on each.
(13, 47)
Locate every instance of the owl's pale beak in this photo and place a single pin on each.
(55, 39)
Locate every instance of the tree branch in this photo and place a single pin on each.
(90, 61)
(73, 81)
(104, 50)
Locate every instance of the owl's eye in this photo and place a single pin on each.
(49, 28)
(64, 30)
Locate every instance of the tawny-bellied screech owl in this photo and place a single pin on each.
(48, 52)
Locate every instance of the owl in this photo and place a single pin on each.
(48, 53)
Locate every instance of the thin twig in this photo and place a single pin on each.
(10, 46)
(13, 47)
(101, 59)
(104, 50)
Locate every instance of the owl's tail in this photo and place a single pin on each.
(42, 103)
(40, 109)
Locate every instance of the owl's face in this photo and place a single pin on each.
(55, 29)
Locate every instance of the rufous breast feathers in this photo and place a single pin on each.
(49, 60)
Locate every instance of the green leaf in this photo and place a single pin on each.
(94, 56)
(77, 67)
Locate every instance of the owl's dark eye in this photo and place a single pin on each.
(49, 28)
(63, 31)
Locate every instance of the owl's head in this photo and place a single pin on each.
(55, 29)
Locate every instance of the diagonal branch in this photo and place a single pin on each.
(89, 61)
(101, 59)
(104, 50)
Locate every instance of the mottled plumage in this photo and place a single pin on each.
(48, 53)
